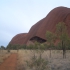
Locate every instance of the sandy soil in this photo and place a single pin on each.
(10, 63)
(3, 55)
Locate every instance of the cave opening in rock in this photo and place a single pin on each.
(38, 39)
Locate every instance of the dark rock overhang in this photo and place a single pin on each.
(38, 39)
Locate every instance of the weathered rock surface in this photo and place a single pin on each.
(19, 39)
(38, 31)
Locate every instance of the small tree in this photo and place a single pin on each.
(51, 37)
(42, 47)
(62, 34)
(2, 48)
(37, 45)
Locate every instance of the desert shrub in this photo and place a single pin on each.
(37, 62)
(8, 51)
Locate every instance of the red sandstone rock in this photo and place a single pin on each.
(19, 39)
(59, 14)
(38, 31)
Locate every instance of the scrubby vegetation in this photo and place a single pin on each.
(26, 58)
(59, 40)
(37, 62)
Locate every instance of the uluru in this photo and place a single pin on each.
(48, 23)
(19, 39)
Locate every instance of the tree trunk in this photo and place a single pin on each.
(64, 50)
(64, 54)
(50, 53)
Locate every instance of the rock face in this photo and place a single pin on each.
(38, 31)
(19, 39)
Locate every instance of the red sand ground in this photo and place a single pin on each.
(10, 63)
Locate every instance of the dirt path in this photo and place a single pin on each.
(10, 63)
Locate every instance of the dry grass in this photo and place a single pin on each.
(56, 62)
(23, 55)
(3, 55)
(13, 51)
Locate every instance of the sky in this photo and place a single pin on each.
(17, 16)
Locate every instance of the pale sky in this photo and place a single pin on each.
(17, 16)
